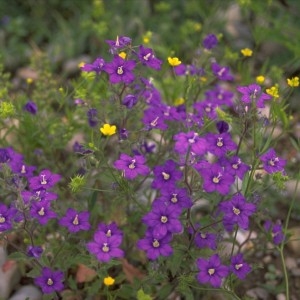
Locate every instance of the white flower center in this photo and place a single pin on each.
(50, 281)
(132, 165)
(75, 221)
(120, 70)
(155, 244)
(236, 211)
(105, 248)
(164, 219)
(211, 271)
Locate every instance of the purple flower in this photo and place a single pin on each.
(8, 155)
(222, 73)
(180, 70)
(38, 195)
(130, 101)
(189, 141)
(42, 212)
(276, 231)
(253, 94)
(206, 240)
(50, 281)
(166, 175)
(105, 247)
(34, 251)
(147, 58)
(239, 267)
(235, 166)
(219, 144)
(131, 167)
(45, 180)
(92, 117)
(174, 196)
(6, 217)
(222, 126)
(236, 211)
(206, 109)
(96, 66)
(211, 271)
(31, 107)
(120, 42)
(155, 245)
(110, 229)
(154, 119)
(18, 167)
(220, 96)
(271, 162)
(119, 70)
(163, 219)
(210, 41)
(216, 179)
(75, 221)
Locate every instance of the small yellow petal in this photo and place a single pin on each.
(108, 281)
(273, 91)
(123, 55)
(260, 79)
(174, 61)
(293, 82)
(108, 129)
(247, 52)
(179, 101)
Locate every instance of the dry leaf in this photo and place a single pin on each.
(130, 271)
(85, 274)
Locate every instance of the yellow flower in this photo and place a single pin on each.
(247, 52)
(260, 79)
(273, 91)
(122, 54)
(107, 129)
(203, 79)
(179, 101)
(197, 26)
(293, 82)
(147, 37)
(80, 65)
(174, 61)
(108, 281)
(29, 80)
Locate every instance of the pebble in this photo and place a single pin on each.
(281, 297)
(290, 263)
(258, 294)
(28, 292)
(296, 272)
(294, 242)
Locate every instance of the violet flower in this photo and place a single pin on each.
(130, 101)
(50, 281)
(6, 217)
(45, 180)
(219, 144)
(237, 212)
(211, 271)
(271, 162)
(42, 212)
(31, 107)
(253, 94)
(110, 229)
(92, 117)
(34, 251)
(131, 167)
(75, 221)
(96, 66)
(120, 70)
(239, 267)
(222, 73)
(147, 58)
(210, 41)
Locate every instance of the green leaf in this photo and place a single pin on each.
(142, 296)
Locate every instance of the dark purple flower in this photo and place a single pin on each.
(8, 155)
(220, 96)
(31, 107)
(236, 211)
(206, 108)
(166, 175)
(38, 195)
(211, 271)
(219, 144)
(222, 126)
(131, 167)
(215, 178)
(163, 219)
(222, 73)
(239, 267)
(123, 134)
(34, 251)
(174, 196)
(147, 58)
(6, 217)
(210, 41)
(18, 167)
(75, 221)
(189, 141)
(96, 66)
(92, 115)
(105, 247)
(130, 101)
(155, 245)
(253, 94)
(50, 281)
(42, 212)
(45, 180)
(276, 231)
(119, 70)
(180, 70)
(271, 162)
